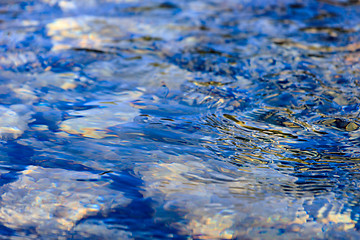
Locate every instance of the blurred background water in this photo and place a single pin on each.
(126, 119)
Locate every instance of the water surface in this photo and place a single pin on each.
(125, 119)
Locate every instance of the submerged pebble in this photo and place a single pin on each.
(96, 32)
(53, 200)
(95, 122)
(217, 207)
(12, 125)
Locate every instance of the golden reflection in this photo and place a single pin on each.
(353, 47)
(248, 157)
(266, 131)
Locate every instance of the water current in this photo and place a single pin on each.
(213, 119)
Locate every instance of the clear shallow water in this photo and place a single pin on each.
(179, 120)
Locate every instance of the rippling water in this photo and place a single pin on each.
(126, 119)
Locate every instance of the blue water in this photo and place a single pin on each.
(126, 119)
